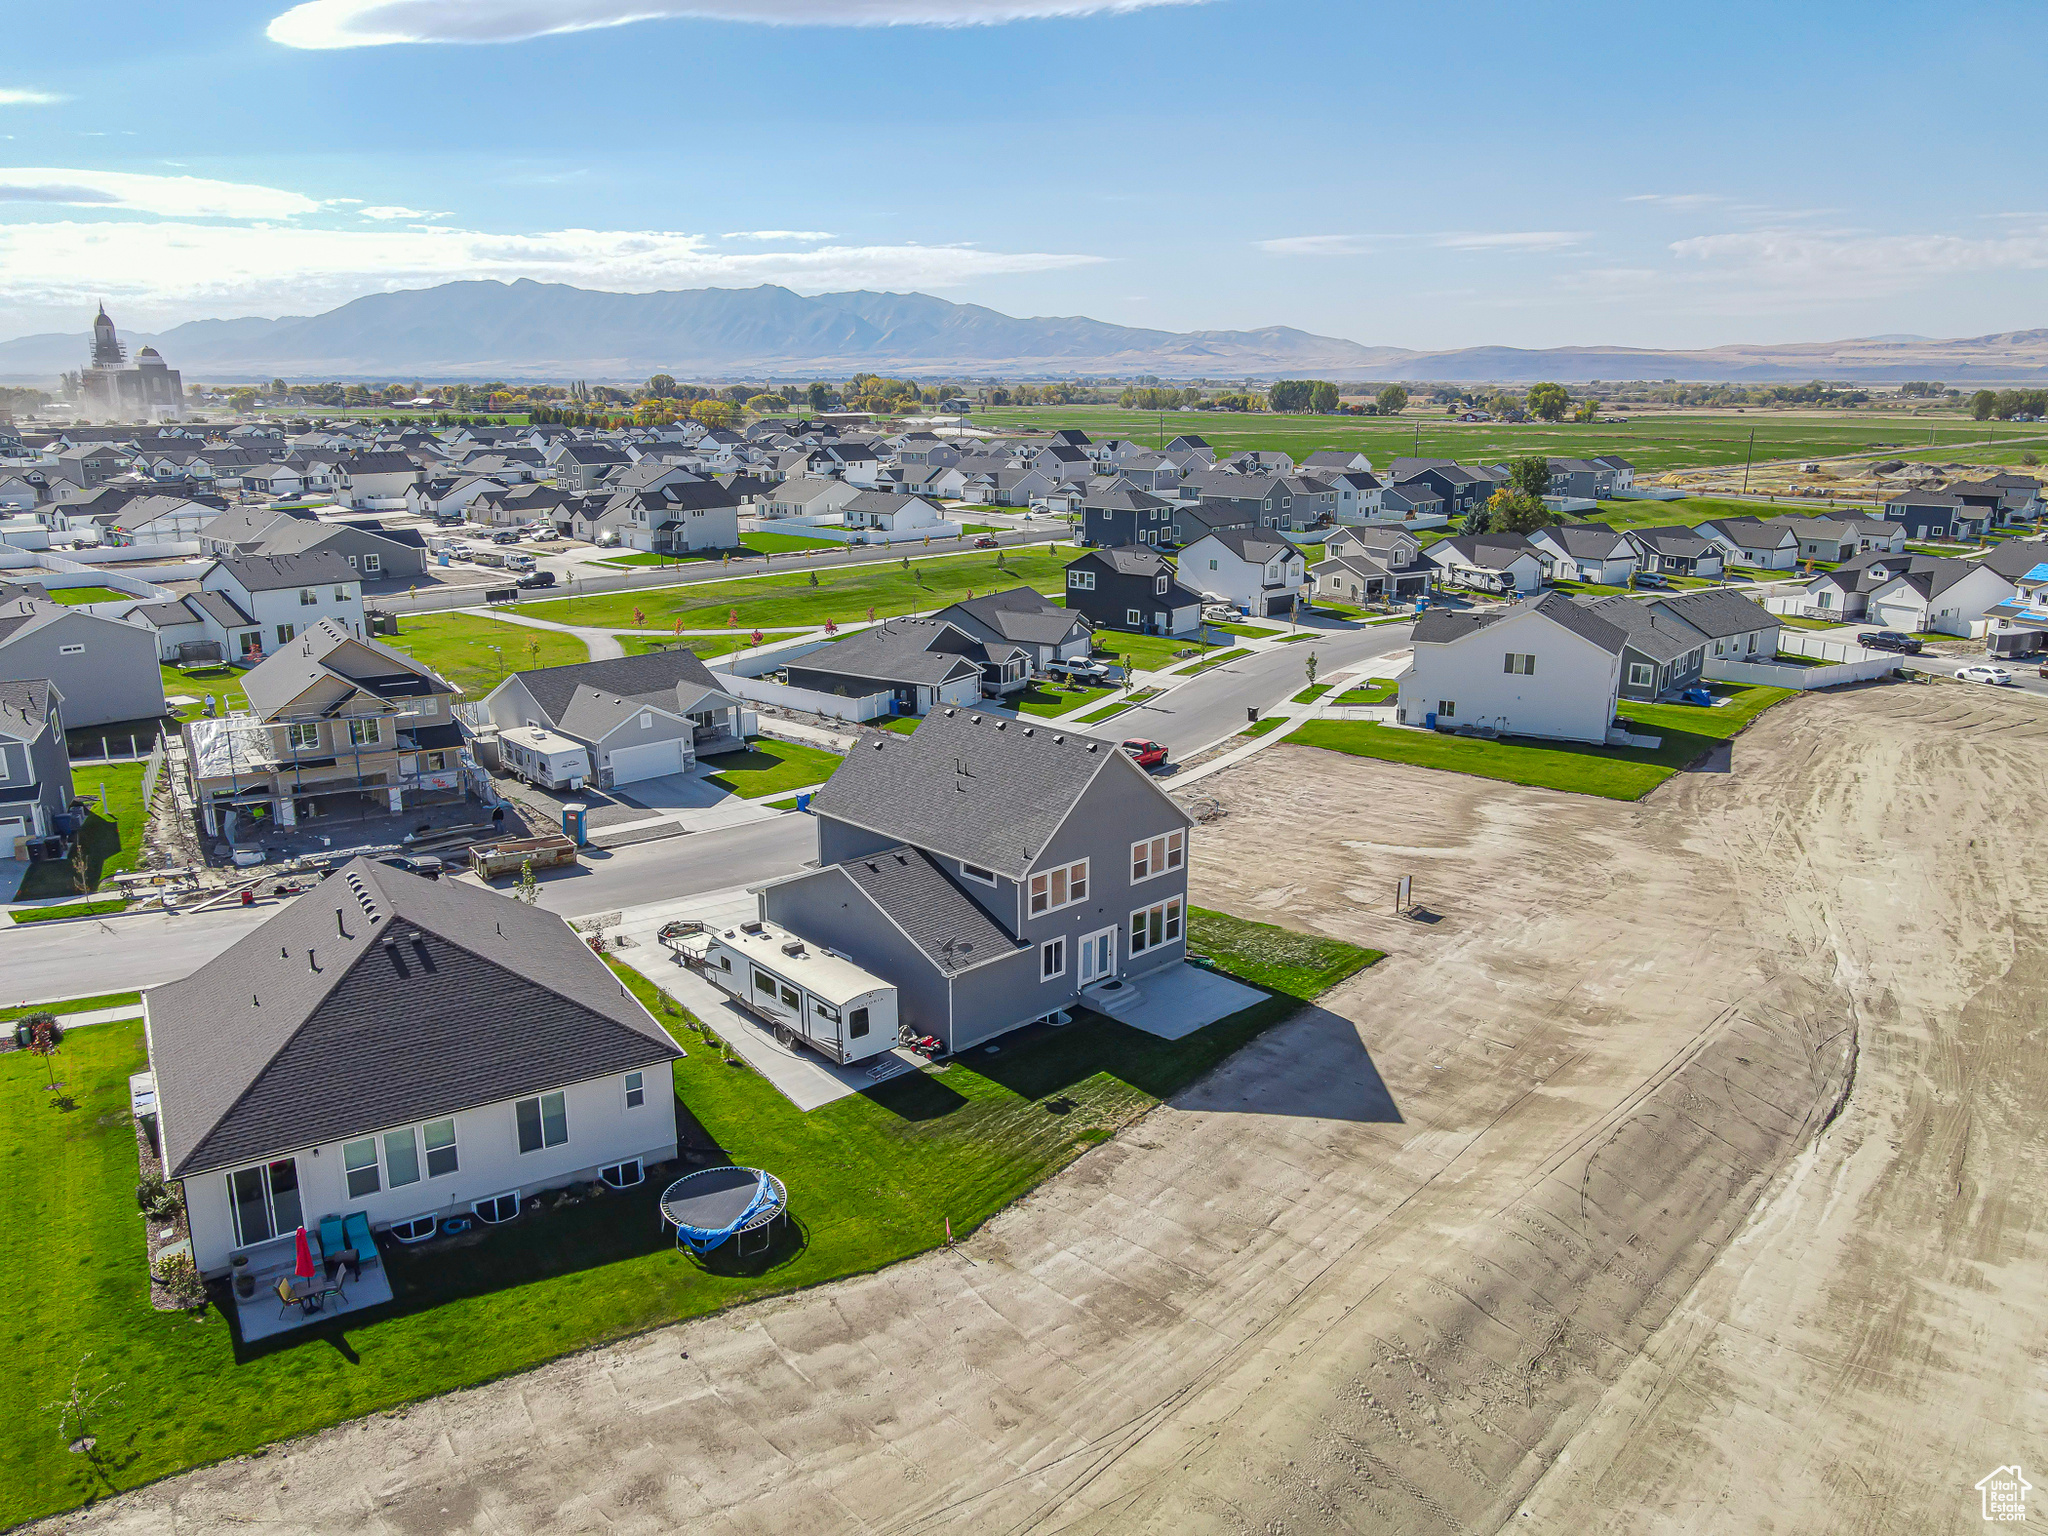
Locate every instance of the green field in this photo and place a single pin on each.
(789, 543)
(704, 645)
(770, 768)
(873, 1179)
(111, 842)
(842, 594)
(76, 595)
(224, 683)
(476, 654)
(1615, 773)
(1652, 441)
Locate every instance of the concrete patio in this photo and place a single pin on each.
(1175, 1002)
(264, 1316)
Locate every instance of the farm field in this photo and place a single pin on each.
(475, 654)
(1653, 442)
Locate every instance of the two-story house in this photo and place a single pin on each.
(1131, 587)
(1544, 666)
(335, 722)
(1260, 573)
(995, 870)
(1591, 552)
(1123, 514)
(282, 595)
(105, 669)
(35, 768)
(399, 1050)
(375, 479)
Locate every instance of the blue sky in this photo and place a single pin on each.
(1423, 176)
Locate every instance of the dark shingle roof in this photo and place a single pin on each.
(1438, 626)
(984, 788)
(269, 573)
(25, 706)
(1018, 614)
(421, 999)
(656, 678)
(943, 921)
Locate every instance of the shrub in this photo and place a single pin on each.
(158, 1197)
(179, 1277)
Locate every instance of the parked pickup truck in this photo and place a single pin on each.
(1084, 669)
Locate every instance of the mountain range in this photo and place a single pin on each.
(530, 330)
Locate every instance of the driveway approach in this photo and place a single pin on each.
(1566, 1206)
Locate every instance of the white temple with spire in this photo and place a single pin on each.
(115, 389)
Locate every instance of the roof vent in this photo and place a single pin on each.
(751, 927)
(951, 713)
(878, 746)
(1093, 745)
(1059, 741)
(1002, 725)
(1028, 731)
(793, 947)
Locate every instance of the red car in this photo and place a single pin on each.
(1146, 754)
(986, 541)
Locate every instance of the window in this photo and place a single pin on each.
(1641, 674)
(1052, 958)
(351, 561)
(1212, 565)
(622, 1175)
(543, 1122)
(1131, 616)
(763, 982)
(636, 1089)
(359, 1160)
(1059, 887)
(1447, 709)
(300, 736)
(341, 594)
(497, 1208)
(416, 1229)
(265, 1201)
(1159, 586)
(372, 564)
(856, 1023)
(401, 1158)
(285, 633)
(1155, 925)
(1521, 665)
(646, 720)
(976, 872)
(70, 650)
(308, 597)
(1081, 581)
(365, 733)
(1157, 855)
(439, 1135)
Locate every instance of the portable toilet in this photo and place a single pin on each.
(576, 824)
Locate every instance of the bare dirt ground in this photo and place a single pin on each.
(1678, 1176)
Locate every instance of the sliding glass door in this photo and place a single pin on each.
(265, 1201)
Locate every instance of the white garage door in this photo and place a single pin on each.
(11, 828)
(650, 760)
(1894, 617)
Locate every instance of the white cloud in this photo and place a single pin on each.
(184, 197)
(13, 97)
(1677, 199)
(1839, 264)
(1316, 245)
(176, 268)
(387, 211)
(1510, 240)
(776, 234)
(370, 23)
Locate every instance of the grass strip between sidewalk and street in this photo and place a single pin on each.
(70, 909)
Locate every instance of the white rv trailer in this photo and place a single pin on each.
(541, 757)
(814, 995)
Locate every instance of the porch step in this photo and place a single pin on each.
(1113, 1000)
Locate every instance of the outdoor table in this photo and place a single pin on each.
(311, 1294)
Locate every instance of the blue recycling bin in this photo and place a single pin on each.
(803, 802)
(576, 824)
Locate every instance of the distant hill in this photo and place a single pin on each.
(529, 330)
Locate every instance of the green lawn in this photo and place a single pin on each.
(110, 844)
(1040, 700)
(770, 768)
(873, 1179)
(77, 595)
(1375, 691)
(902, 725)
(1311, 693)
(1148, 653)
(71, 909)
(642, 557)
(1797, 621)
(1215, 661)
(843, 594)
(703, 645)
(476, 654)
(1109, 711)
(75, 1005)
(1247, 631)
(1261, 727)
(1616, 773)
(788, 543)
(1653, 441)
(224, 683)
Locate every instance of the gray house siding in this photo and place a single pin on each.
(828, 909)
(114, 677)
(839, 841)
(993, 999)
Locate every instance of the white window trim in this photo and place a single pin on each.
(977, 874)
(1174, 851)
(1179, 919)
(1052, 953)
(366, 731)
(427, 1152)
(1641, 674)
(539, 1103)
(496, 1221)
(1030, 905)
(632, 1088)
(70, 650)
(375, 1168)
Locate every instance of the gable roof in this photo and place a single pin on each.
(984, 788)
(905, 650)
(286, 673)
(1018, 614)
(25, 706)
(269, 573)
(1442, 626)
(660, 678)
(948, 926)
(417, 999)
(1255, 546)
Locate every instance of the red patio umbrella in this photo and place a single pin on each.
(304, 1268)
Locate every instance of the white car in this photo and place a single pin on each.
(1996, 676)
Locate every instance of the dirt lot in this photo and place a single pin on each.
(1543, 1223)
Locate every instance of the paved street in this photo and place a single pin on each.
(587, 578)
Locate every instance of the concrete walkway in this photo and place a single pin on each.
(603, 644)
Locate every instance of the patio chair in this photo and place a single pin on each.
(357, 1228)
(331, 1239)
(288, 1299)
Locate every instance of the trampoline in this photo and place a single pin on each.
(717, 1205)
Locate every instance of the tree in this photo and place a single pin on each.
(1392, 400)
(766, 405)
(45, 1035)
(1588, 412)
(1982, 404)
(1516, 512)
(1530, 476)
(1323, 397)
(712, 413)
(662, 386)
(818, 397)
(528, 888)
(1549, 401)
(1289, 394)
(1309, 666)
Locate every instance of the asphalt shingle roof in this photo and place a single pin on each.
(946, 924)
(659, 677)
(419, 999)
